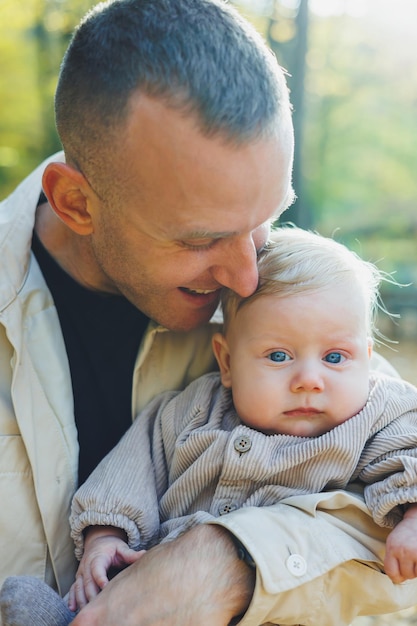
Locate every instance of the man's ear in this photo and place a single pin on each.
(69, 194)
(370, 346)
(222, 354)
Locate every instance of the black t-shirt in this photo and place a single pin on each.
(102, 334)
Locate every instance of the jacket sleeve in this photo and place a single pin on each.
(122, 490)
(385, 497)
(391, 472)
(307, 549)
(388, 463)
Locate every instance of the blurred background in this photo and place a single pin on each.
(352, 68)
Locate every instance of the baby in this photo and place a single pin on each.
(294, 409)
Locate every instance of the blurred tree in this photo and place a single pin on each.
(287, 36)
(33, 37)
(359, 155)
(284, 24)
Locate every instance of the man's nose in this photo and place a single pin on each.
(237, 267)
(307, 378)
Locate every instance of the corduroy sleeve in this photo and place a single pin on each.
(122, 491)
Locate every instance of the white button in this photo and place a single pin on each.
(242, 444)
(296, 565)
(226, 508)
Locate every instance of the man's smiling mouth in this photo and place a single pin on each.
(199, 292)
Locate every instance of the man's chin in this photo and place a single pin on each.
(187, 321)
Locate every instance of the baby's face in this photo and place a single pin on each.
(299, 365)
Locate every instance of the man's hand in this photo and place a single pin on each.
(196, 579)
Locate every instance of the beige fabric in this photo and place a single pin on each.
(344, 582)
(37, 434)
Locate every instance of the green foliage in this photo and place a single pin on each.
(359, 156)
(361, 107)
(33, 37)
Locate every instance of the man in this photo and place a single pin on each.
(176, 127)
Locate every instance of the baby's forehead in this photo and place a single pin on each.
(342, 298)
(329, 313)
(283, 277)
(344, 284)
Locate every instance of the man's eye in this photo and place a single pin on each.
(334, 358)
(279, 356)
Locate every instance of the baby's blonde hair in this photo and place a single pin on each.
(296, 261)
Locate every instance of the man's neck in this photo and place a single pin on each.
(72, 252)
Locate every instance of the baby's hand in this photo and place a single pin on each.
(105, 548)
(401, 548)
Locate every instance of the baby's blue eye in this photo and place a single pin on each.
(333, 357)
(279, 356)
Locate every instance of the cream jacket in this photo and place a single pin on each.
(331, 537)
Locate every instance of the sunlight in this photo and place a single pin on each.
(403, 11)
(397, 18)
(338, 7)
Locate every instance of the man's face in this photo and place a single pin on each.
(186, 214)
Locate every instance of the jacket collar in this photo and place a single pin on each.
(17, 219)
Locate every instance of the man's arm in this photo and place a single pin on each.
(195, 579)
(319, 561)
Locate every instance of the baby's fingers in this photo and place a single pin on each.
(72, 600)
(408, 568)
(392, 569)
(400, 568)
(85, 590)
(99, 578)
(130, 556)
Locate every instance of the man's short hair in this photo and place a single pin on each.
(199, 56)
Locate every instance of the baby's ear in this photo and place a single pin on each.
(222, 354)
(370, 346)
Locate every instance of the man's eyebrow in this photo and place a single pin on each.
(206, 234)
